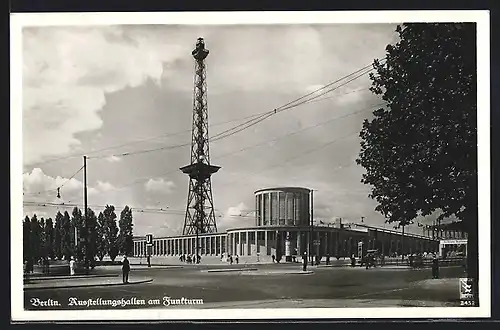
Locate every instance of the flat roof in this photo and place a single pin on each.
(283, 188)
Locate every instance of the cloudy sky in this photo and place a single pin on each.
(105, 91)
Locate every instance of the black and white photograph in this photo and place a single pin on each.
(250, 165)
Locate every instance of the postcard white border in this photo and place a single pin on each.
(222, 18)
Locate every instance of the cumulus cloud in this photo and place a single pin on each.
(160, 185)
(65, 80)
(42, 188)
(37, 181)
(235, 216)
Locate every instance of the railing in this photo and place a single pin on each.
(422, 263)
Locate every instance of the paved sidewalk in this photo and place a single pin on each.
(84, 282)
(281, 272)
(227, 270)
(139, 267)
(319, 303)
(65, 277)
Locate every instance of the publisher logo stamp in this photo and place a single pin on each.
(466, 292)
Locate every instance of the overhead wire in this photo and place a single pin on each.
(258, 118)
(58, 187)
(175, 170)
(255, 120)
(139, 141)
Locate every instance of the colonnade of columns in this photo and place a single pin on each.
(267, 242)
(172, 246)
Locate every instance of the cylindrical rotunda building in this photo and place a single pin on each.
(287, 206)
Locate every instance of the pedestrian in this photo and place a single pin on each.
(274, 258)
(72, 266)
(435, 267)
(327, 259)
(353, 261)
(125, 269)
(237, 259)
(149, 261)
(231, 259)
(304, 261)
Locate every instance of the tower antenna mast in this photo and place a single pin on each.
(200, 214)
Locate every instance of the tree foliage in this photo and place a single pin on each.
(57, 236)
(35, 237)
(125, 237)
(78, 236)
(66, 236)
(420, 150)
(111, 231)
(101, 246)
(48, 248)
(27, 239)
(91, 234)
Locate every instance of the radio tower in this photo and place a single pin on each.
(200, 215)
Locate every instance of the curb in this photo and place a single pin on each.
(265, 273)
(67, 277)
(229, 270)
(155, 267)
(86, 285)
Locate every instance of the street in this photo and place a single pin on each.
(269, 282)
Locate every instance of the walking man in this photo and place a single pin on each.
(435, 267)
(125, 269)
(304, 261)
(72, 266)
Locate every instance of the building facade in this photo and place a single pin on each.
(283, 229)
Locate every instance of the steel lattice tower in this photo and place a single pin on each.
(200, 214)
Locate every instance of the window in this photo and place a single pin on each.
(274, 208)
(266, 210)
(282, 208)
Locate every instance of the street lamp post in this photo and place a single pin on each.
(402, 243)
(311, 228)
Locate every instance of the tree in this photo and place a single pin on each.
(27, 253)
(57, 236)
(49, 238)
(43, 245)
(35, 238)
(77, 227)
(91, 234)
(101, 246)
(111, 233)
(420, 151)
(66, 236)
(125, 238)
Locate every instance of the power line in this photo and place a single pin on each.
(139, 141)
(286, 161)
(72, 205)
(255, 118)
(57, 188)
(299, 131)
(258, 118)
(290, 105)
(175, 170)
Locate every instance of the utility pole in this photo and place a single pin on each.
(85, 221)
(311, 229)
(402, 243)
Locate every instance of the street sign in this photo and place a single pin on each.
(149, 239)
